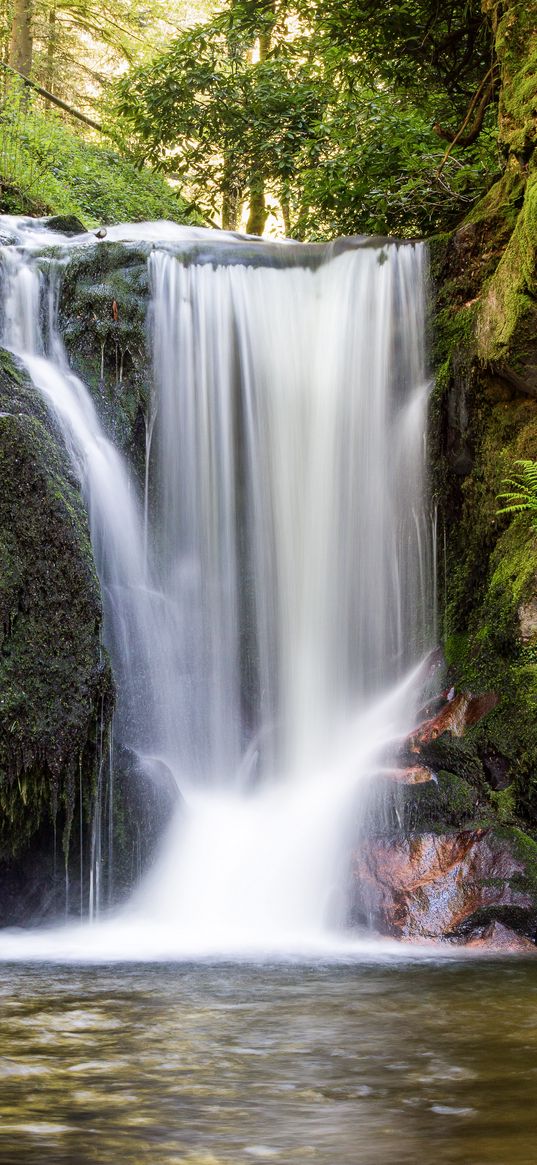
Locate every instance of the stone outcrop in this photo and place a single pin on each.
(440, 886)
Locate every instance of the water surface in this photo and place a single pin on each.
(211, 1064)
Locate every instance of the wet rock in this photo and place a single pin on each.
(497, 937)
(453, 754)
(456, 717)
(66, 224)
(418, 800)
(147, 795)
(410, 775)
(56, 691)
(107, 346)
(496, 768)
(427, 885)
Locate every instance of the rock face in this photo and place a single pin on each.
(456, 716)
(436, 886)
(484, 418)
(442, 856)
(527, 618)
(103, 308)
(55, 683)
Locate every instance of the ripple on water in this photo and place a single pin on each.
(218, 1066)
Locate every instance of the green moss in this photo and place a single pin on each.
(525, 850)
(500, 206)
(445, 803)
(53, 676)
(504, 804)
(516, 49)
(459, 757)
(507, 309)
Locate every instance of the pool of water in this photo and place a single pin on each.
(328, 1064)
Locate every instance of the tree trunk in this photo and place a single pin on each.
(231, 195)
(286, 213)
(51, 49)
(21, 40)
(258, 210)
(230, 210)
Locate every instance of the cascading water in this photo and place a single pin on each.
(268, 600)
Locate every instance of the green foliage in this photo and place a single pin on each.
(374, 169)
(333, 109)
(47, 167)
(522, 492)
(418, 43)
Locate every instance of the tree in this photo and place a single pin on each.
(225, 111)
(21, 38)
(337, 109)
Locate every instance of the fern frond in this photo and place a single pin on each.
(515, 508)
(520, 491)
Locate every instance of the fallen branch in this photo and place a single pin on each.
(57, 101)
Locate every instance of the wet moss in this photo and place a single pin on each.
(504, 804)
(103, 310)
(54, 678)
(448, 802)
(507, 321)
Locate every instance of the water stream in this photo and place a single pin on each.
(268, 588)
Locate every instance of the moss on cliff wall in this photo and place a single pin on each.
(54, 681)
(484, 417)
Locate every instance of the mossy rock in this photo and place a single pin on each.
(507, 320)
(447, 801)
(54, 678)
(103, 318)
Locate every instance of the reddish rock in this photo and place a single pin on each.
(496, 937)
(411, 775)
(459, 714)
(434, 706)
(427, 885)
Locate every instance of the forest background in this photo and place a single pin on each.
(313, 118)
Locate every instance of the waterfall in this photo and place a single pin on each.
(268, 589)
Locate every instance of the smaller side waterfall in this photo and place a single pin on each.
(268, 588)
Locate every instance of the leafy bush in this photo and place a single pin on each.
(48, 167)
